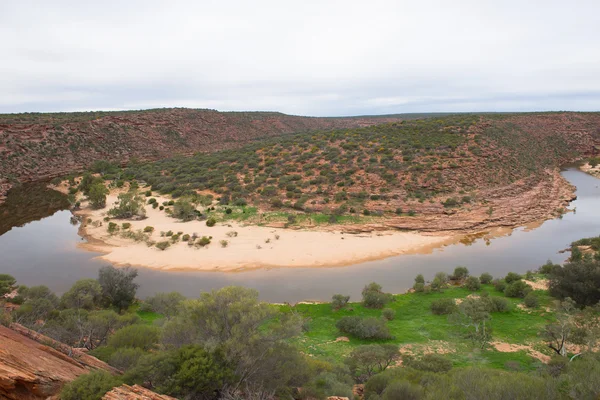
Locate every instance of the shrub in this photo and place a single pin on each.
(137, 336)
(388, 314)
(130, 205)
(531, 300)
(149, 229)
(517, 289)
(472, 283)
(497, 304)
(228, 211)
(429, 362)
(148, 193)
(419, 279)
(419, 287)
(112, 227)
(232, 234)
(169, 233)
(364, 328)
(224, 243)
(124, 359)
(163, 245)
(486, 278)
(204, 241)
(339, 301)
(373, 296)
(211, 222)
(184, 210)
(90, 386)
(443, 306)
(403, 390)
(512, 277)
(185, 237)
(460, 273)
(126, 225)
(97, 195)
(499, 284)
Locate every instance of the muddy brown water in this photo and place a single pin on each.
(38, 245)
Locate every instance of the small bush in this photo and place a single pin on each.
(112, 227)
(228, 211)
(499, 284)
(373, 296)
(364, 328)
(339, 301)
(419, 287)
(460, 273)
(149, 229)
(388, 314)
(443, 306)
(403, 390)
(224, 243)
(91, 386)
(169, 233)
(429, 362)
(162, 245)
(531, 300)
(211, 222)
(486, 278)
(126, 225)
(517, 289)
(204, 241)
(498, 304)
(185, 237)
(232, 234)
(472, 283)
(512, 277)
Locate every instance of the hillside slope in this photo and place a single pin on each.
(41, 146)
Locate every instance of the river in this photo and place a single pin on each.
(43, 251)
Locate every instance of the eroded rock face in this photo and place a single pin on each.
(37, 369)
(135, 392)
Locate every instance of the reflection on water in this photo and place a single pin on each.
(45, 252)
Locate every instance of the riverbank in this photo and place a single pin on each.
(234, 246)
(243, 244)
(594, 171)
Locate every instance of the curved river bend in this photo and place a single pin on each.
(44, 251)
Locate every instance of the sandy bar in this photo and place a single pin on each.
(253, 247)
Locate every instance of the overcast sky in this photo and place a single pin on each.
(300, 57)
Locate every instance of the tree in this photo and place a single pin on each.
(118, 288)
(472, 283)
(366, 360)
(517, 289)
(85, 293)
(364, 328)
(97, 195)
(512, 277)
(166, 304)
(252, 335)
(138, 336)
(460, 273)
(339, 301)
(6, 283)
(184, 210)
(374, 297)
(486, 278)
(473, 314)
(130, 205)
(578, 280)
(558, 334)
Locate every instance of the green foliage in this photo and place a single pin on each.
(163, 245)
(517, 289)
(443, 306)
(97, 195)
(388, 314)
(90, 386)
(118, 288)
(6, 283)
(531, 300)
(163, 303)
(364, 328)
(138, 336)
(339, 301)
(578, 280)
(460, 273)
(472, 283)
(512, 277)
(130, 205)
(366, 360)
(486, 278)
(211, 222)
(184, 210)
(429, 362)
(374, 297)
(85, 293)
(149, 229)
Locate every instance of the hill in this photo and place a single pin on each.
(36, 146)
(459, 173)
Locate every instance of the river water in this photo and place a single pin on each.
(38, 245)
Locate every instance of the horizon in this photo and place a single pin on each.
(328, 58)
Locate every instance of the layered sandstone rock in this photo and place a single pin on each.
(37, 369)
(135, 392)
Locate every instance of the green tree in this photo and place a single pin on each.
(184, 210)
(118, 288)
(366, 360)
(130, 205)
(91, 386)
(374, 297)
(85, 293)
(166, 304)
(97, 195)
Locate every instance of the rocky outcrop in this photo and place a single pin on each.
(33, 366)
(135, 392)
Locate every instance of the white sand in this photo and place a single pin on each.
(294, 248)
